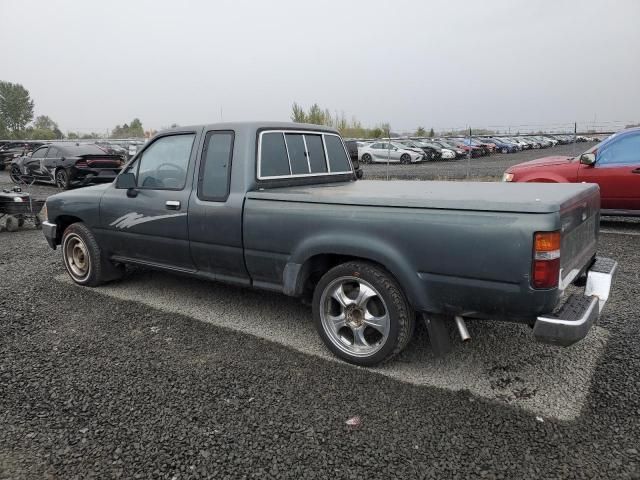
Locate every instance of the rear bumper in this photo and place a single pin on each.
(94, 175)
(50, 231)
(581, 311)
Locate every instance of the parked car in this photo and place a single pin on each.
(290, 217)
(67, 165)
(613, 164)
(459, 152)
(482, 150)
(431, 152)
(472, 149)
(504, 146)
(352, 148)
(389, 152)
(11, 150)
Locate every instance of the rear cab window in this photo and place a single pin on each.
(215, 166)
(297, 154)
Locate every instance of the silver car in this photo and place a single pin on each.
(389, 152)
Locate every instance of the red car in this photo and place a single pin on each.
(613, 164)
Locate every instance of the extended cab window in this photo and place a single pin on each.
(164, 164)
(297, 154)
(215, 167)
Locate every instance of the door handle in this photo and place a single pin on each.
(637, 170)
(172, 204)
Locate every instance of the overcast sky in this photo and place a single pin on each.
(93, 64)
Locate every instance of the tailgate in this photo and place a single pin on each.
(580, 228)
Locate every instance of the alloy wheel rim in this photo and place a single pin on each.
(354, 316)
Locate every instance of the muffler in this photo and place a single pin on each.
(462, 329)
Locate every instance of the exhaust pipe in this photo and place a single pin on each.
(462, 329)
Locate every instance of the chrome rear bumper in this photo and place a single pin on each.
(576, 316)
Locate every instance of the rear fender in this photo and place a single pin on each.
(353, 246)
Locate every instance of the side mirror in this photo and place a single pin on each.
(126, 181)
(588, 159)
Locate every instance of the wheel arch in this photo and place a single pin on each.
(63, 222)
(314, 258)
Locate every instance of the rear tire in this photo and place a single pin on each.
(84, 260)
(11, 223)
(14, 174)
(361, 313)
(62, 179)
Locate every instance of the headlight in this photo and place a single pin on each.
(507, 177)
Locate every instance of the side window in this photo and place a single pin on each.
(338, 160)
(624, 151)
(52, 153)
(315, 150)
(164, 164)
(215, 167)
(297, 153)
(274, 161)
(40, 153)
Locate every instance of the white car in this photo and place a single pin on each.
(448, 154)
(389, 152)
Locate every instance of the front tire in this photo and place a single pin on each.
(361, 313)
(366, 158)
(84, 260)
(405, 159)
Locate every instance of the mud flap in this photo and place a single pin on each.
(438, 333)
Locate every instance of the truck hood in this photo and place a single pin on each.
(544, 162)
(474, 196)
(92, 191)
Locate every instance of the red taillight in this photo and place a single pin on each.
(81, 164)
(546, 260)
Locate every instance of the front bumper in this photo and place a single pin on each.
(50, 231)
(580, 312)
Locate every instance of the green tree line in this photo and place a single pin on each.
(350, 128)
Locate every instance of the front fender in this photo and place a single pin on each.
(357, 246)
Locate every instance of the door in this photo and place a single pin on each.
(149, 223)
(215, 213)
(51, 162)
(617, 172)
(33, 165)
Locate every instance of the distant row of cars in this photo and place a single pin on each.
(413, 150)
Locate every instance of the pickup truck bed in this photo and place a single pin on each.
(458, 247)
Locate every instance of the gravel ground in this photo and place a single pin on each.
(503, 363)
(162, 377)
(94, 386)
(482, 168)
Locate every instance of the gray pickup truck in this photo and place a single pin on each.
(277, 206)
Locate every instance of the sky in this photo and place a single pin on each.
(90, 64)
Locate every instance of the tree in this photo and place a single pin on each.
(420, 132)
(16, 107)
(128, 131)
(43, 122)
(135, 129)
(432, 133)
(72, 136)
(298, 114)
